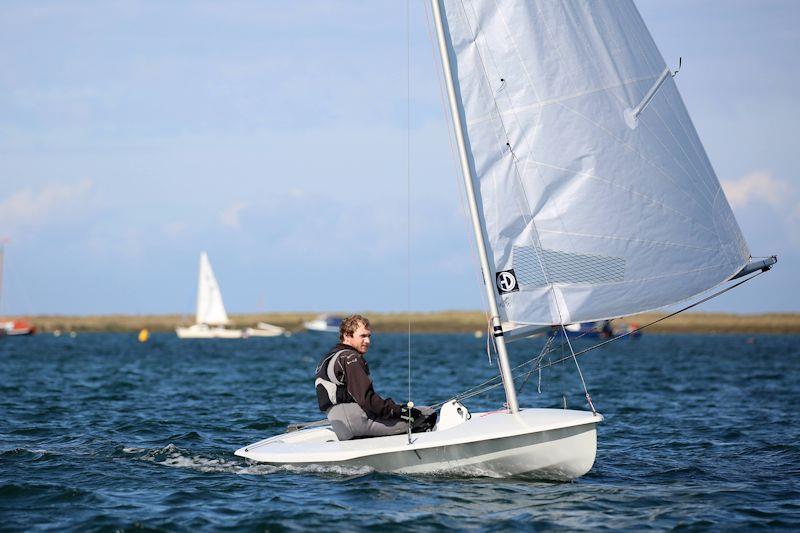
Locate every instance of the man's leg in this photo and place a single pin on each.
(339, 416)
(349, 420)
(381, 428)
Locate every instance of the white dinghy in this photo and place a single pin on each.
(210, 316)
(591, 198)
(552, 443)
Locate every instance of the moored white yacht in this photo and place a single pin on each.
(210, 315)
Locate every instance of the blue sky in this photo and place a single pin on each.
(273, 136)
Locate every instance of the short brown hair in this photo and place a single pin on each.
(350, 325)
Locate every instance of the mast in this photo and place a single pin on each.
(486, 268)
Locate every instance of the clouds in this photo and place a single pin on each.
(768, 210)
(274, 136)
(758, 187)
(31, 208)
(230, 217)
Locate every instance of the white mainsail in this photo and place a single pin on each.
(210, 309)
(596, 197)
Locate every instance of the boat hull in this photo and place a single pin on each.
(551, 444)
(16, 328)
(323, 324)
(194, 332)
(265, 330)
(559, 455)
(255, 332)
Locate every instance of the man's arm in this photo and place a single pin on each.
(359, 385)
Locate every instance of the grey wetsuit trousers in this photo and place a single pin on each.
(349, 420)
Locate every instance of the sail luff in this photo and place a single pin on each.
(478, 228)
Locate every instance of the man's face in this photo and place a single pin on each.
(360, 339)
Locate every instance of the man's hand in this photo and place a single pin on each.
(409, 413)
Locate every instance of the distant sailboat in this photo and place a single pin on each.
(211, 317)
(14, 326)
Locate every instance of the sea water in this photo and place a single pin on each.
(103, 432)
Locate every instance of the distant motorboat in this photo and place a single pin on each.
(210, 317)
(324, 324)
(602, 329)
(16, 327)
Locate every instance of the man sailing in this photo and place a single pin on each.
(346, 394)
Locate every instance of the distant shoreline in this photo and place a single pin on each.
(434, 322)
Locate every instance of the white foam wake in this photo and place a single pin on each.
(173, 456)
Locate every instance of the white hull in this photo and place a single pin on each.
(323, 324)
(17, 331)
(318, 326)
(202, 331)
(266, 330)
(543, 443)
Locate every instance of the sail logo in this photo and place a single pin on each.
(507, 281)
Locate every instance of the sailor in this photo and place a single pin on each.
(345, 392)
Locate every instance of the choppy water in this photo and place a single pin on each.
(101, 432)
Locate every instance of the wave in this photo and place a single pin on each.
(176, 457)
(25, 453)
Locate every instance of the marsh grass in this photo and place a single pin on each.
(435, 322)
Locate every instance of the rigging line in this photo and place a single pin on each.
(408, 189)
(487, 385)
(523, 210)
(580, 373)
(707, 298)
(544, 351)
(449, 125)
(529, 220)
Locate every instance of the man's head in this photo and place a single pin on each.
(355, 332)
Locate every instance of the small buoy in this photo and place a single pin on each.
(478, 333)
(144, 335)
(73, 334)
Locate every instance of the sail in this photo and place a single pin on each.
(210, 309)
(596, 197)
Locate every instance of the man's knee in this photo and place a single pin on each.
(339, 417)
(341, 429)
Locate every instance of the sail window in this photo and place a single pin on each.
(564, 267)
